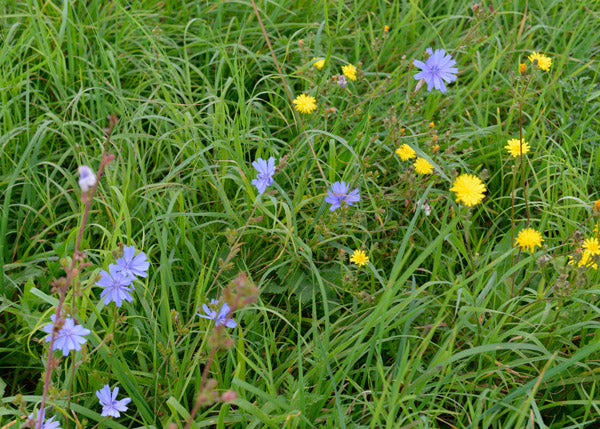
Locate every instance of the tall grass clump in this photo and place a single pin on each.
(299, 214)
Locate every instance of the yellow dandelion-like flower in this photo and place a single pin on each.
(597, 205)
(405, 152)
(386, 28)
(591, 245)
(585, 261)
(318, 64)
(359, 258)
(349, 71)
(305, 103)
(543, 62)
(523, 68)
(432, 124)
(528, 239)
(469, 189)
(514, 147)
(422, 166)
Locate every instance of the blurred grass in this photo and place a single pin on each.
(429, 334)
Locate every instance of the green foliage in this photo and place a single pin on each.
(448, 324)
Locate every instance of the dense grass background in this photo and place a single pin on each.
(448, 326)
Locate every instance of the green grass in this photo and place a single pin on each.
(448, 325)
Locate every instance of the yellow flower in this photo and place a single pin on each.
(318, 64)
(585, 261)
(422, 166)
(523, 68)
(469, 189)
(528, 239)
(543, 62)
(514, 147)
(359, 257)
(432, 124)
(597, 205)
(305, 103)
(405, 152)
(349, 71)
(591, 246)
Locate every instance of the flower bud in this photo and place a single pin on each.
(87, 178)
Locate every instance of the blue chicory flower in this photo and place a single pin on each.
(219, 317)
(133, 265)
(339, 194)
(116, 285)
(47, 424)
(69, 337)
(437, 69)
(266, 170)
(108, 400)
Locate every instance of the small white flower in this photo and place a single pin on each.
(426, 207)
(87, 178)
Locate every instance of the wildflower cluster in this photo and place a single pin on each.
(305, 103)
(110, 406)
(469, 189)
(64, 333)
(38, 418)
(529, 239)
(541, 61)
(69, 336)
(437, 69)
(589, 255)
(118, 281)
(266, 170)
(339, 195)
(359, 257)
(220, 315)
(517, 147)
(405, 152)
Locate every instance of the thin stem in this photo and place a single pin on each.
(205, 371)
(234, 247)
(87, 199)
(512, 223)
(209, 362)
(512, 203)
(287, 89)
(521, 149)
(70, 390)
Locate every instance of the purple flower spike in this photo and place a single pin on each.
(339, 194)
(70, 336)
(219, 317)
(133, 265)
(108, 400)
(116, 286)
(342, 82)
(266, 170)
(437, 69)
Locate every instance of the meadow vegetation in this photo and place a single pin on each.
(322, 239)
